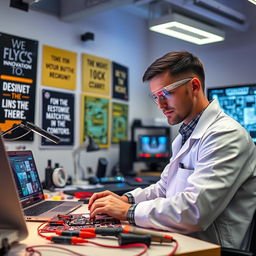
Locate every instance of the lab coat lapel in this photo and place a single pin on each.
(184, 148)
(207, 118)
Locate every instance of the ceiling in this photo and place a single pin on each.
(218, 13)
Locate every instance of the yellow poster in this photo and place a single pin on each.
(59, 68)
(95, 74)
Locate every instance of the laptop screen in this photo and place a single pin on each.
(26, 177)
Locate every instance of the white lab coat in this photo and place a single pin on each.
(213, 195)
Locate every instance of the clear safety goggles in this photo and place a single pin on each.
(163, 93)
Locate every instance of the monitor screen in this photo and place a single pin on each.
(239, 102)
(153, 147)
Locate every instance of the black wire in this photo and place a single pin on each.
(26, 133)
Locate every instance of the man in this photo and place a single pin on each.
(208, 189)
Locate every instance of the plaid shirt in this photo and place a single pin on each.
(185, 131)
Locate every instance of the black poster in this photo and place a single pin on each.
(58, 117)
(120, 82)
(18, 66)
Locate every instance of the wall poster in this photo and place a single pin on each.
(95, 119)
(120, 81)
(58, 117)
(95, 74)
(119, 122)
(18, 66)
(59, 68)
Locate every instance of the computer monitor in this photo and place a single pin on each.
(153, 149)
(239, 102)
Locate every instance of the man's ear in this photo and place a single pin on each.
(196, 85)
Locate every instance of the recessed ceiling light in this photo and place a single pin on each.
(187, 29)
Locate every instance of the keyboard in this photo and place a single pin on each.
(41, 208)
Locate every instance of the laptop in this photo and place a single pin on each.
(12, 223)
(30, 190)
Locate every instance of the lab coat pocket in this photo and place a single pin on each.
(182, 179)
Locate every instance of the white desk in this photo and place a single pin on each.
(187, 246)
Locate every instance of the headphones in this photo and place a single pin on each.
(59, 177)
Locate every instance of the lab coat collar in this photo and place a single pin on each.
(208, 117)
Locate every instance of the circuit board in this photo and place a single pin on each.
(79, 221)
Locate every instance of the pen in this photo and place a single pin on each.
(181, 165)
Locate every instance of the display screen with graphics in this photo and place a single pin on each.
(18, 66)
(119, 122)
(95, 119)
(153, 147)
(239, 102)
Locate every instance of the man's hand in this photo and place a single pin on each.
(109, 203)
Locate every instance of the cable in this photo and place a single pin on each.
(68, 238)
(124, 246)
(31, 250)
(175, 248)
(16, 138)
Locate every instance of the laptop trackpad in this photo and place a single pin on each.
(61, 208)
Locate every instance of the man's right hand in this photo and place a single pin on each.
(105, 193)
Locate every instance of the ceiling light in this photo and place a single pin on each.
(187, 29)
(252, 1)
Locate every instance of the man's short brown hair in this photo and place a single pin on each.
(177, 63)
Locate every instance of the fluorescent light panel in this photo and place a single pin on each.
(252, 1)
(187, 29)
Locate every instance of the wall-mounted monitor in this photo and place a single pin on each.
(153, 148)
(239, 102)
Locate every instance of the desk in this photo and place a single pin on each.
(118, 188)
(187, 246)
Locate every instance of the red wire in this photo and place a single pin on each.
(175, 248)
(32, 251)
(144, 246)
(123, 246)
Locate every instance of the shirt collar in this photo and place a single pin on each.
(187, 129)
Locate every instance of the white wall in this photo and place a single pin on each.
(124, 38)
(119, 37)
(230, 62)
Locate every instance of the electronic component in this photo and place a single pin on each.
(80, 221)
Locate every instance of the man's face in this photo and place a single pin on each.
(176, 104)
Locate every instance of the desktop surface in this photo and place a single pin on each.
(187, 246)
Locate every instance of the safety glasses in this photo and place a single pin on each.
(163, 93)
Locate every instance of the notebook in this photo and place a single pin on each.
(12, 223)
(30, 190)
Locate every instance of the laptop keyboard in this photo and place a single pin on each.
(41, 208)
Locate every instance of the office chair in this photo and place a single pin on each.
(252, 248)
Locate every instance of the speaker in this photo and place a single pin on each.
(48, 176)
(102, 167)
(127, 151)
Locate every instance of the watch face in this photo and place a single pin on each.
(59, 177)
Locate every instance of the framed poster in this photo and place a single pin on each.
(95, 119)
(95, 75)
(120, 81)
(59, 68)
(18, 67)
(119, 122)
(58, 117)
